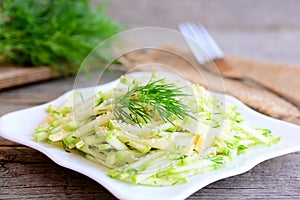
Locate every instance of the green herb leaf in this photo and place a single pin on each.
(139, 103)
(56, 33)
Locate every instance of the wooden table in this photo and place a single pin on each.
(28, 174)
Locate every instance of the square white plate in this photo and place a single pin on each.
(19, 127)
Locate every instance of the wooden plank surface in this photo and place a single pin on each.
(11, 76)
(264, 30)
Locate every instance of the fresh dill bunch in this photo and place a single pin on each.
(55, 33)
(139, 103)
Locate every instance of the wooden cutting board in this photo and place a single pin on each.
(11, 76)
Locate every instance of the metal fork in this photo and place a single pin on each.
(205, 50)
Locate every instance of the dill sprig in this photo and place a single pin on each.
(59, 33)
(139, 104)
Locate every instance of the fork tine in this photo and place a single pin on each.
(187, 28)
(217, 50)
(188, 36)
(195, 43)
(202, 40)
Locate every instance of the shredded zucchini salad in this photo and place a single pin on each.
(152, 131)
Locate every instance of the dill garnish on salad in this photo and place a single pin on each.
(152, 131)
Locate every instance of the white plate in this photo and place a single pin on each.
(19, 127)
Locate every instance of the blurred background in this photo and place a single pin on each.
(264, 30)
